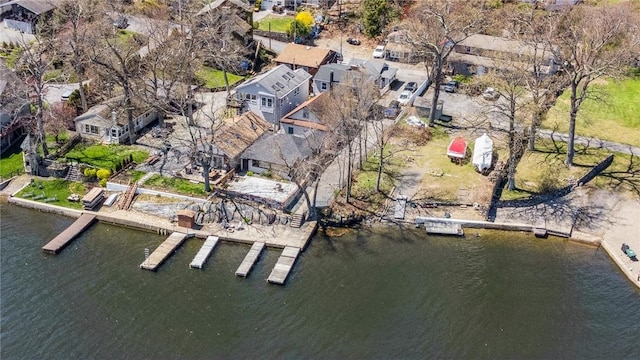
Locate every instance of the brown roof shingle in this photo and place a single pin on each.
(302, 55)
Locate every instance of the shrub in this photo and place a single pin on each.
(267, 174)
(103, 174)
(90, 172)
(256, 24)
(103, 182)
(250, 173)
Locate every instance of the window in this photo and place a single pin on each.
(114, 132)
(91, 129)
(254, 98)
(323, 86)
(296, 91)
(255, 163)
(289, 130)
(267, 102)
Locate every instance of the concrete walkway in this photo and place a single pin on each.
(624, 228)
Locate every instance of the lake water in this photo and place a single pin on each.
(365, 295)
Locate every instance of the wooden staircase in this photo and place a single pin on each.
(74, 174)
(297, 220)
(127, 198)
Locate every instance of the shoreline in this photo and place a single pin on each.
(280, 236)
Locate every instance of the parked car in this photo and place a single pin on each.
(451, 86)
(404, 97)
(353, 41)
(121, 22)
(490, 94)
(392, 110)
(378, 52)
(411, 86)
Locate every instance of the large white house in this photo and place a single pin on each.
(274, 93)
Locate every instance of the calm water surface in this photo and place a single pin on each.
(366, 295)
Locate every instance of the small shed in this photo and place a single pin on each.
(483, 153)
(186, 218)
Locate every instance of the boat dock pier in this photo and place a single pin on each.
(64, 238)
(284, 265)
(204, 252)
(163, 251)
(250, 259)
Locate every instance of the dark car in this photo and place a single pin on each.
(392, 110)
(121, 22)
(353, 41)
(412, 86)
(451, 86)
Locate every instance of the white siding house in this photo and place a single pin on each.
(274, 93)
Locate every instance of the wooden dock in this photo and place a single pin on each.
(204, 252)
(401, 204)
(163, 251)
(284, 265)
(250, 259)
(444, 228)
(64, 238)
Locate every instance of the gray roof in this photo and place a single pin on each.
(280, 79)
(214, 5)
(375, 69)
(35, 6)
(278, 148)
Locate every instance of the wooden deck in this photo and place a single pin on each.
(204, 252)
(64, 238)
(250, 259)
(163, 251)
(284, 265)
(444, 228)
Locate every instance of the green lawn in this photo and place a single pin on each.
(178, 185)
(278, 23)
(214, 78)
(543, 170)
(615, 119)
(105, 156)
(44, 191)
(11, 163)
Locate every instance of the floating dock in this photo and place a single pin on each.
(444, 228)
(204, 252)
(64, 238)
(163, 251)
(284, 265)
(250, 259)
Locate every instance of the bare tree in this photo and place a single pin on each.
(36, 60)
(77, 13)
(593, 42)
(58, 118)
(435, 28)
(118, 61)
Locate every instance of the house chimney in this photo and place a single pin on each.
(331, 79)
(114, 117)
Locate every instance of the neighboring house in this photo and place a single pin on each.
(331, 74)
(478, 53)
(280, 153)
(274, 93)
(14, 108)
(25, 14)
(107, 122)
(399, 49)
(305, 117)
(233, 137)
(308, 58)
(239, 11)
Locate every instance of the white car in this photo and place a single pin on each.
(490, 94)
(404, 97)
(378, 53)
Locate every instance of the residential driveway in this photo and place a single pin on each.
(11, 36)
(53, 92)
